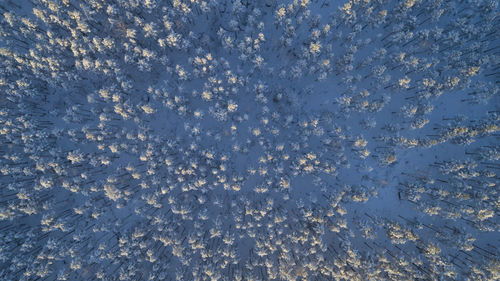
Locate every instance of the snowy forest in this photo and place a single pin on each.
(249, 140)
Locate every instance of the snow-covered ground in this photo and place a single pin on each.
(249, 140)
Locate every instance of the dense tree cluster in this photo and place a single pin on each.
(249, 140)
